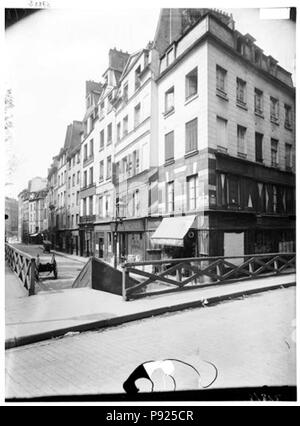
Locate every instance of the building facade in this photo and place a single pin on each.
(226, 122)
(33, 217)
(186, 148)
(64, 179)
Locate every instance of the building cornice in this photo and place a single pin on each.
(208, 36)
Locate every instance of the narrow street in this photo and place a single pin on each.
(250, 341)
(67, 268)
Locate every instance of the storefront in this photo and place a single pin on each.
(74, 249)
(175, 237)
(104, 242)
(87, 239)
(131, 240)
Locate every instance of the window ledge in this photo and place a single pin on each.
(241, 105)
(169, 162)
(191, 153)
(259, 114)
(288, 127)
(168, 113)
(274, 121)
(222, 149)
(222, 95)
(191, 98)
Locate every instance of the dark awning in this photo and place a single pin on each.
(172, 230)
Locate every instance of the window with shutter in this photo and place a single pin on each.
(222, 142)
(191, 136)
(169, 146)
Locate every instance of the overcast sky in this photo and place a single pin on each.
(51, 54)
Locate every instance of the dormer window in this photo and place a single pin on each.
(257, 57)
(240, 45)
(170, 56)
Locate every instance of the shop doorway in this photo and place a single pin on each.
(101, 248)
(234, 245)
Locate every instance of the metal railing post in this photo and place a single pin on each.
(125, 274)
(31, 290)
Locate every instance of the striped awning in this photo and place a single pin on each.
(172, 230)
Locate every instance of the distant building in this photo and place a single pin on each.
(37, 184)
(32, 210)
(11, 223)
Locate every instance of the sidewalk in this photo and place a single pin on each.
(13, 286)
(70, 256)
(54, 314)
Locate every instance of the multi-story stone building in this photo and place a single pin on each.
(64, 181)
(104, 157)
(11, 223)
(37, 213)
(227, 140)
(23, 217)
(32, 211)
(51, 201)
(136, 151)
(88, 187)
(73, 190)
(187, 148)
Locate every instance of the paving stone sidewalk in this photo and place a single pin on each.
(49, 314)
(250, 341)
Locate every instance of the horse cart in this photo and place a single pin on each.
(50, 267)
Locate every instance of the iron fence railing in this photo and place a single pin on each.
(23, 265)
(162, 276)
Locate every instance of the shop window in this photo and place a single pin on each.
(233, 194)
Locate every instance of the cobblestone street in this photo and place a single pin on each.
(249, 340)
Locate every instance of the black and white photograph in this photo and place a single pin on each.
(150, 205)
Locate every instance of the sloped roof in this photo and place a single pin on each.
(73, 137)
